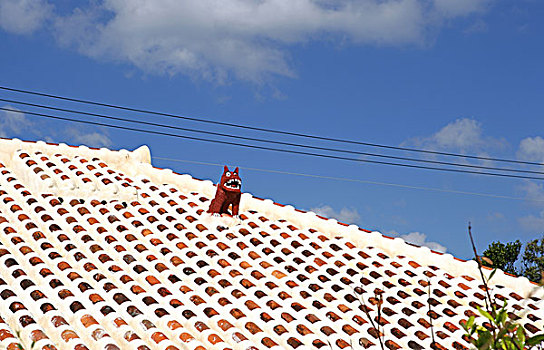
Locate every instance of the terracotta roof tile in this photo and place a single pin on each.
(95, 258)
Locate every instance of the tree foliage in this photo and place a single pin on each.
(503, 256)
(504, 333)
(533, 260)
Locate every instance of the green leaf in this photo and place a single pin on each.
(467, 325)
(511, 326)
(501, 317)
(509, 344)
(506, 343)
(520, 344)
(485, 314)
(537, 339)
(501, 333)
(520, 335)
(484, 340)
(492, 274)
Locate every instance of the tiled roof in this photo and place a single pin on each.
(99, 250)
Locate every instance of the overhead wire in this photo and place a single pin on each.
(240, 137)
(325, 177)
(328, 156)
(254, 128)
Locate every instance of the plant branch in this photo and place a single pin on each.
(487, 300)
(367, 313)
(429, 312)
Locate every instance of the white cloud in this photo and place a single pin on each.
(16, 124)
(24, 16)
(495, 216)
(455, 8)
(345, 215)
(480, 26)
(91, 139)
(531, 149)
(533, 222)
(534, 192)
(213, 39)
(351, 216)
(420, 239)
(12, 124)
(462, 135)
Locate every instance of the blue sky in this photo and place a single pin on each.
(459, 76)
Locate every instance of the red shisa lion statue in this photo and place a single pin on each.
(228, 193)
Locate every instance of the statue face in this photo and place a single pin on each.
(230, 181)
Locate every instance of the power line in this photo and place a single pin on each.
(270, 141)
(272, 148)
(353, 180)
(216, 122)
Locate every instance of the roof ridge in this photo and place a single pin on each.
(139, 155)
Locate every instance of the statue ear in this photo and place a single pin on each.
(225, 169)
(236, 170)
